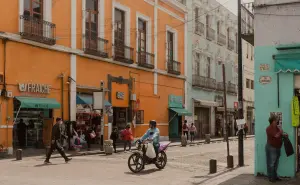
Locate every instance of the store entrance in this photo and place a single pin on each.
(32, 128)
(120, 117)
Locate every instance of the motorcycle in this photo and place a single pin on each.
(138, 160)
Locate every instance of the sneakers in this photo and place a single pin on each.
(68, 160)
(47, 162)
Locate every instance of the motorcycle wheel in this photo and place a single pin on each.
(162, 160)
(135, 162)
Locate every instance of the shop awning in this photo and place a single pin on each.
(88, 100)
(181, 111)
(38, 103)
(287, 62)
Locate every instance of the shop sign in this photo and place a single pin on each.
(264, 67)
(120, 95)
(175, 101)
(34, 88)
(265, 80)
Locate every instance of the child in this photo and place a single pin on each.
(127, 137)
(193, 131)
(114, 136)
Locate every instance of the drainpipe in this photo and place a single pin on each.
(3, 93)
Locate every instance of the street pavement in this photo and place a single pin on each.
(186, 165)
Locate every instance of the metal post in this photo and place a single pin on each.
(102, 117)
(225, 107)
(240, 85)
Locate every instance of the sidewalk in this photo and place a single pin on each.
(96, 151)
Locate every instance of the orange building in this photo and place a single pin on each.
(54, 54)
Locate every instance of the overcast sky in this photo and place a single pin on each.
(232, 4)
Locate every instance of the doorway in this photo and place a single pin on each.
(120, 117)
(203, 121)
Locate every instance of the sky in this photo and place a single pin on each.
(232, 4)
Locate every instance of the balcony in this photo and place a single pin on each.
(247, 22)
(204, 82)
(221, 39)
(231, 88)
(210, 34)
(145, 59)
(95, 46)
(199, 28)
(123, 53)
(220, 86)
(37, 30)
(231, 44)
(173, 67)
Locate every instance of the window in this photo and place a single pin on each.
(197, 14)
(33, 8)
(251, 52)
(142, 26)
(247, 53)
(196, 67)
(252, 84)
(91, 24)
(170, 45)
(208, 67)
(247, 83)
(218, 27)
(119, 32)
(140, 117)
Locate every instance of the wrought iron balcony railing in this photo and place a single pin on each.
(231, 88)
(95, 46)
(210, 33)
(145, 59)
(37, 30)
(123, 53)
(199, 28)
(247, 22)
(221, 39)
(173, 67)
(205, 82)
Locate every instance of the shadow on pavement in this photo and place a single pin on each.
(211, 176)
(250, 179)
(42, 165)
(144, 172)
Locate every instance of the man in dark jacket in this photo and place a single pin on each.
(57, 134)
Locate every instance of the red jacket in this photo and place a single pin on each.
(127, 135)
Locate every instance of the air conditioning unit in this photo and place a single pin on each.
(9, 94)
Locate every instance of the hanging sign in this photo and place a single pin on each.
(264, 67)
(34, 88)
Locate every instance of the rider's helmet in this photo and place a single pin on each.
(153, 123)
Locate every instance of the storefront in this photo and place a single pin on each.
(33, 116)
(276, 86)
(176, 116)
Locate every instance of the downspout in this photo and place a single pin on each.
(61, 76)
(3, 93)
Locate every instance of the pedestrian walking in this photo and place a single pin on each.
(193, 131)
(57, 134)
(21, 133)
(185, 129)
(127, 137)
(246, 130)
(114, 136)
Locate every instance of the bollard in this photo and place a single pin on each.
(230, 161)
(212, 166)
(183, 140)
(207, 138)
(19, 155)
(108, 147)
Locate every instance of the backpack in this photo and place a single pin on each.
(184, 126)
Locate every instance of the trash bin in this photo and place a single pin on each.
(108, 149)
(207, 138)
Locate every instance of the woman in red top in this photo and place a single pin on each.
(127, 137)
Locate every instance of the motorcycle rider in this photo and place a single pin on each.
(152, 134)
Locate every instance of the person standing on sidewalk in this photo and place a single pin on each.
(185, 129)
(193, 131)
(127, 137)
(273, 146)
(57, 134)
(114, 136)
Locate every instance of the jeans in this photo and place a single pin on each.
(127, 142)
(192, 136)
(56, 145)
(273, 155)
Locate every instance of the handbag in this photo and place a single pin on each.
(289, 150)
(92, 134)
